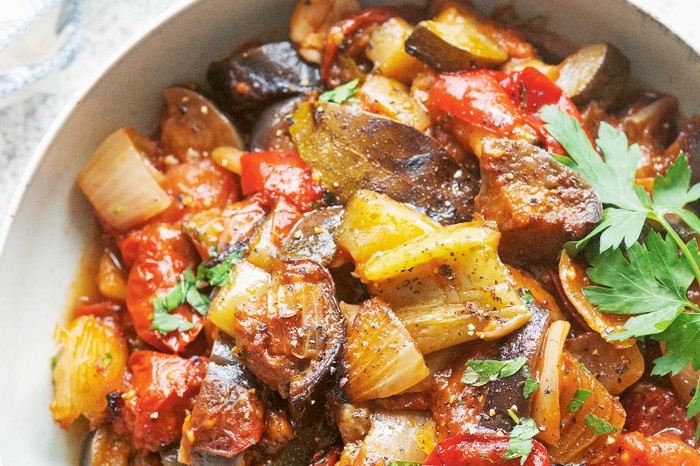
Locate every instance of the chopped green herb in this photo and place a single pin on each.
(578, 400)
(527, 297)
(107, 360)
(54, 361)
(600, 426)
(118, 209)
(531, 385)
(404, 463)
(219, 274)
(341, 94)
(520, 443)
(184, 291)
(482, 371)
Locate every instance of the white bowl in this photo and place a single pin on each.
(49, 222)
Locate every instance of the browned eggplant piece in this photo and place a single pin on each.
(271, 130)
(228, 414)
(353, 149)
(508, 392)
(313, 237)
(291, 337)
(538, 203)
(192, 122)
(595, 72)
(260, 75)
(310, 438)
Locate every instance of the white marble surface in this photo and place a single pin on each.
(109, 23)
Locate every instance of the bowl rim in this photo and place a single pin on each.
(179, 7)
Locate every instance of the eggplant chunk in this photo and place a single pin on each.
(271, 130)
(192, 122)
(228, 415)
(508, 392)
(313, 238)
(538, 203)
(453, 41)
(291, 336)
(595, 72)
(260, 75)
(353, 150)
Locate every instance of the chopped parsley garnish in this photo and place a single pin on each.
(482, 371)
(578, 400)
(219, 274)
(531, 385)
(520, 443)
(341, 94)
(403, 463)
(188, 290)
(118, 209)
(647, 280)
(107, 360)
(600, 426)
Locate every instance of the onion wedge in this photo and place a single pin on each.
(380, 358)
(121, 184)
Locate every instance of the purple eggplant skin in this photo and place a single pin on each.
(271, 129)
(313, 237)
(260, 75)
(508, 392)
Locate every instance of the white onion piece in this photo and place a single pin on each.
(380, 359)
(121, 184)
(396, 436)
(545, 404)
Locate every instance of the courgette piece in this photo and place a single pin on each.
(453, 41)
(595, 72)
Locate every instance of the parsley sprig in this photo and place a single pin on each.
(341, 94)
(520, 442)
(189, 290)
(649, 280)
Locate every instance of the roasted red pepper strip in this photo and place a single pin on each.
(158, 255)
(280, 175)
(162, 389)
(529, 89)
(340, 30)
(478, 98)
(482, 450)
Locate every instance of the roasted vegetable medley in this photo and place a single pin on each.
(403, 236)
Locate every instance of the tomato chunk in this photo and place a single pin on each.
(195, 186)
(482, 450)
(160, 253)
(162, 389)
(634, 449)
(280, 175)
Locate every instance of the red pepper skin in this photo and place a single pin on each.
(478, 98)
(279, 175)
(343, 28)
(164, 384)
(529, 90)
(482, 450)
(159, 253)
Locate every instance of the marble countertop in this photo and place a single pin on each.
(109, 23)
